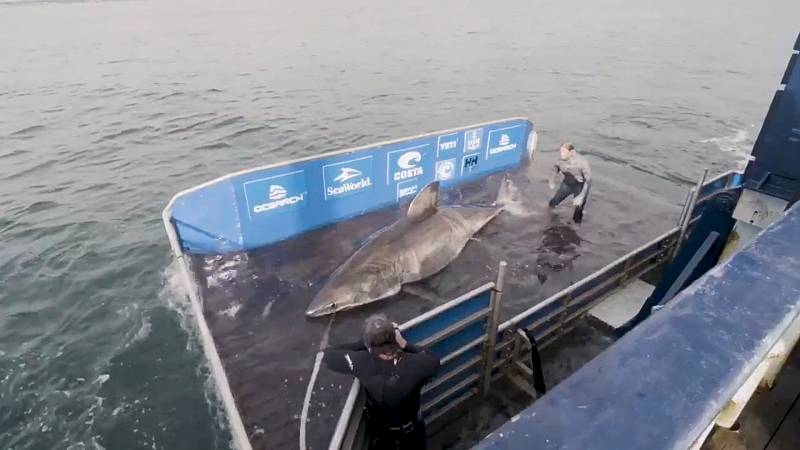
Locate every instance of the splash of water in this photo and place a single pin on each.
(510, 199)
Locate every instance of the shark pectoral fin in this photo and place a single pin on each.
(424, 204)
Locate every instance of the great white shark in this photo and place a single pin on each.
(415, 247)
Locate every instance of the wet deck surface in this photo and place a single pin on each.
(254, 302)
(481, 416)
(771, 419)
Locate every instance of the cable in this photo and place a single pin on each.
(311, 381)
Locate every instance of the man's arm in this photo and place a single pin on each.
(586, 171)
(553, 176)
(340, 358)
(428, 365)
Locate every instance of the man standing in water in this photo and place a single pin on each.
(392, 371)
(577, 180)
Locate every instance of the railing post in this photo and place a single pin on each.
(687, 217)
(490, 349)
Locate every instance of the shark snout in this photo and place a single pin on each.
(320, 307)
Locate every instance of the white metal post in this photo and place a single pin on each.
(492, 328)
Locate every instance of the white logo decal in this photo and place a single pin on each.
(503, 143)
(406, 191)
(409, 160)
(445, 169)
(473, 140)
(448, 145)
(276, 192)
(346, 174)
(408, 163)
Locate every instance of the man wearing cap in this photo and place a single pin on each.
(577, 180)
(392, 371)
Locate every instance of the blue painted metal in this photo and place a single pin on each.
(775, 170)
(262, 206)
(451, 344)
(663, 383)
(716, 219)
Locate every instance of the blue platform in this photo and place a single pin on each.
(663, 383)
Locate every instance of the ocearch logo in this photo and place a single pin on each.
(276, 193)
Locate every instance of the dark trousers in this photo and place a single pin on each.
(406, 438)
(565, 190)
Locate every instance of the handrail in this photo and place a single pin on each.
(445, 306)
(557, 296)
(344, 418)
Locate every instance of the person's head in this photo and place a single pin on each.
(567, 151)
(379, 335)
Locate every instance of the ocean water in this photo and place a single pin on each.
(109, 108)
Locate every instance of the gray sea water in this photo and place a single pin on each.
(109, 108)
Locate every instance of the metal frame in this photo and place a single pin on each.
(686, 216)
(615, 275)
(238, 431)
(239, 435)
(349, 425)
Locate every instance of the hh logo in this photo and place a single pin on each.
(347, 177)
(470, 163)
(473, 140)
(406, 164)
(273, 194)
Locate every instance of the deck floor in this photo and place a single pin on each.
(480, 416)
(771, 420)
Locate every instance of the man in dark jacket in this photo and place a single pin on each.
(392, 371)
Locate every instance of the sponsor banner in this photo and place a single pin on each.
(408, 189)
(449, 144)
(504, 140)
(253, 208)
(279, 193)
(470, 163)
(473, 140)
(406, 163)
(349, 177)
(446, 170)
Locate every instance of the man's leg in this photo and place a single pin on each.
(563, 192)
(577, 216)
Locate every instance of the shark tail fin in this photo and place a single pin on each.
(425, 203)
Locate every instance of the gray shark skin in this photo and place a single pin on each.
(413, 248)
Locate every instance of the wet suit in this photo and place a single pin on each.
(393, 391)
(577, 181)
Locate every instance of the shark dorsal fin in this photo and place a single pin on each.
(424, 204)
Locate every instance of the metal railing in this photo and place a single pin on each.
(459, 332)
(469, 367)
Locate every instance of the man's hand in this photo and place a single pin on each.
(551, 184)
(401, 341)
(577, 201)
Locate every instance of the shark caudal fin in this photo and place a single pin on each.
(425, 203)
(509, 198)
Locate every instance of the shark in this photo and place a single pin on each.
(418, 245)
